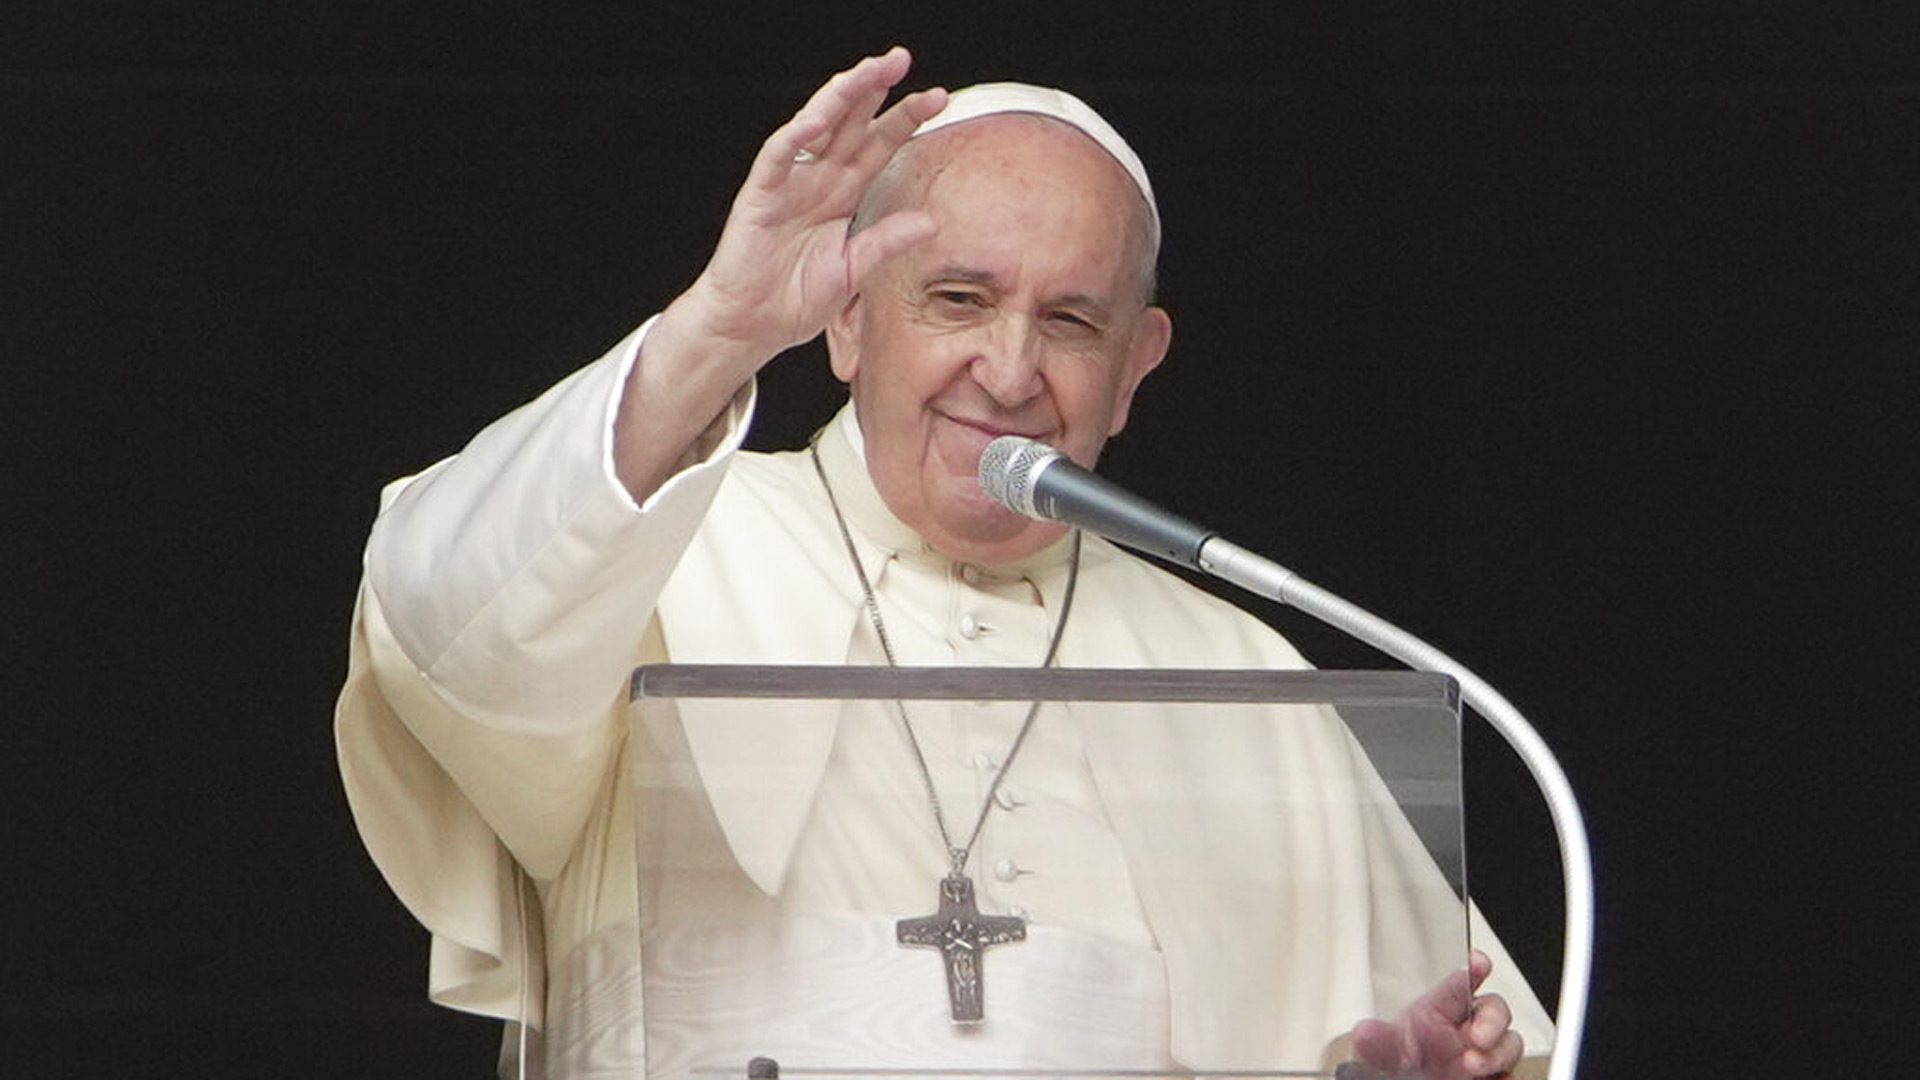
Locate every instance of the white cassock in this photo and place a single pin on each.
(758, 862)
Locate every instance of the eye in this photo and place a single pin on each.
(958, 297)
(1073, 321)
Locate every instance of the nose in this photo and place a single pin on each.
(1007, 365)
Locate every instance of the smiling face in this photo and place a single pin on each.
(1023, 315)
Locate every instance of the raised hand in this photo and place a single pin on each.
(784, 263)
(783, 266)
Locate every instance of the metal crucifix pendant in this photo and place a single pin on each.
(961, 934)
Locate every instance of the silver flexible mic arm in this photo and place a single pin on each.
(1034, 479)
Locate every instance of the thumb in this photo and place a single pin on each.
(1379, 1045)
(884, 239)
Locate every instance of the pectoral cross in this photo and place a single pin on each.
(961, 934)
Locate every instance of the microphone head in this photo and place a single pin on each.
(1008, 467)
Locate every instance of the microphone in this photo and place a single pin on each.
(1029, 477)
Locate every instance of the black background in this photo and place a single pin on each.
(1574, 338)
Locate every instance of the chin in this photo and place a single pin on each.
(971, 512)
(963, 522)
(1006, 537)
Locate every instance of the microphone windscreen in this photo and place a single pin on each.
(1007, 469)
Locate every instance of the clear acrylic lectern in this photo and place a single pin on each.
(1179, 872)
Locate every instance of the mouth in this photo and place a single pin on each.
(987, 431)
(967, 440)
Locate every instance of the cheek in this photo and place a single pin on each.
(1089, 401)
(927, 370)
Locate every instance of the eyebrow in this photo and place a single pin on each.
(956, 272)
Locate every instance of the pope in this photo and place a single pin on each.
(981, 264)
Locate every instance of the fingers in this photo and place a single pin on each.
(897, 124)
(1492, 1046)
(867, 81)
(1500, 1059)
(1490, 1022)
(1479, 966)
(850, 101)
(839, 140)
(813, 128)
(836, 120)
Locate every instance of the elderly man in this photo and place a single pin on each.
(641, 895)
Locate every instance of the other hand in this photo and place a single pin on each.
(1447, 1033)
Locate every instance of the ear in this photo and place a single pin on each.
(843, 340)
(1149, 347)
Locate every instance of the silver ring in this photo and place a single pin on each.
(804, 156)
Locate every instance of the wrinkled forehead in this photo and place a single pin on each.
(991, 99)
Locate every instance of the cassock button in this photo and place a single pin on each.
(1006, 870)
(1007, 800)
(982, 761)
(969, 627)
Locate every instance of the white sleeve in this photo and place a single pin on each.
(518, 575)
(507, 594)
(508, 590)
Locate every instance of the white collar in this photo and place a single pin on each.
(883, 536)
